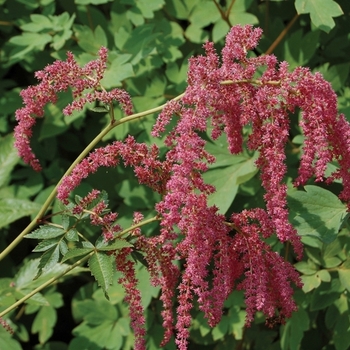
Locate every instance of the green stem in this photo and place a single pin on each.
(85, 152)
(142, 223)
(47, 283)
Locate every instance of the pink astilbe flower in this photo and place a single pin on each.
(133, 296)
(267, 275)
(98, 214)
(164, 273)
(216, 255)
(230, 97)
(60, 76)
(6, 326)
(107, 156)
(327, 134)
(149, 169)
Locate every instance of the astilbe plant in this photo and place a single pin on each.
(217, 254)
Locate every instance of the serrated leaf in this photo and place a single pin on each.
(12, 209)
(45, 232)
(46, 244)
(48, 260)
(8, 158)
(75, 252)
(65, 221)
(63, 247)
(317, 212)
(102, 269)
(72, 235)
(321, 12)
(115, 245)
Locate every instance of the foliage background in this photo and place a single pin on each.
(149, 43)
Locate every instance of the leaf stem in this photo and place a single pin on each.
(142, 223)
(281, 35)
(47, 283)
(89, 147)
(84, 153)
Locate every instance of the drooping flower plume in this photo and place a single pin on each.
(84, 83)
(198, 253)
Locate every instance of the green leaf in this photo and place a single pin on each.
(294, 330)
(49, 259)
(75, 252)
(46, 244)
(114, 245)
(97, 311)
(147, 290)
(299, 49)
(39, 22)
(63, 247)
(321, 299)
(92, 2)
(344, 277)
(7, 342)
(100, 36)
(321, 12)
(306, 267)
(102, 269)
(227, 180)
(341, 330)
(310, 282)
(204, 13)
(99, 109)
(72, 235)
(116, 291)
(44, 323)
(12, 209)
(8, 158)
(220, 330)
(317, 212)
(119, 70)
(45, 232)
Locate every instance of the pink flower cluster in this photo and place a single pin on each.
(84, 83)
(148, 168)
(133, 295)
(217, 255)
(94, 204)
(230, 97)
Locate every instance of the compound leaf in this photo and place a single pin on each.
(45, 232)
(317, 212)
(102, 269)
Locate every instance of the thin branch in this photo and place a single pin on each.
(85, 152)
(47, 283)
(282, 35)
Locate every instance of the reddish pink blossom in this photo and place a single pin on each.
(268, 277)
(132, 295)
(59, 76)
(94, 204)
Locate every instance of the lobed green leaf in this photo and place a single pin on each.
(317, 212)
